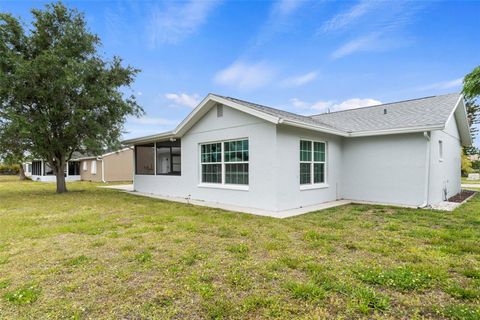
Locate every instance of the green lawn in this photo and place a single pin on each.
(464, 180)
(97, 253)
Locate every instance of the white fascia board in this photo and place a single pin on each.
(151, 138)
(313, 127)
(461, 118)
(396, 131)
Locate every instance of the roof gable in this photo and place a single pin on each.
(424, 114)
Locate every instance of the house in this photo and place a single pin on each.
(108, 167)
(40, 170)
(234, 152)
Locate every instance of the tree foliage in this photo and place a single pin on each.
(57, 92)
(471, 91)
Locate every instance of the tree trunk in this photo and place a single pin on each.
(21, 173)
(60, 172)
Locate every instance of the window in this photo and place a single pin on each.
(169, 160)
(37, 168)
(440, 150)
(94, 167)
(312, 162)
(29, 168)
(225, 162)
(145, 159)
(85, 166)
(47, 170)
(73, 168)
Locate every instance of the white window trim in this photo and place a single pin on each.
(312, 185)
(85, 165)
(223, 185)
(94, 167)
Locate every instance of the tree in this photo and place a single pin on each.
(466, 165)
(471, 91)
(13, 151)
(58, 90)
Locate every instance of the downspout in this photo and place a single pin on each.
(103, 170)
(426, 134)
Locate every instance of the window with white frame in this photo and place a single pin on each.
(225, 162)
(94, 167)
(85, 164)
(312, 162)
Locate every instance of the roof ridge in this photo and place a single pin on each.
(384, 104)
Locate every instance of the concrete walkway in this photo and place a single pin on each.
(444, 206)
(471, 185)
(122, 187)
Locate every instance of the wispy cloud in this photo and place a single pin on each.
(368, 42)
(153, 121)
(299, 80)
(349, 17)
(382, 28)
(331, 105)
(175, 22)
(245, 76)
(443, 85)
(184, 99)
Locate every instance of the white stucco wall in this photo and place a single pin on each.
(52, 178)
(385, 169)
(445, 173)
(233, 124)
(290, 195)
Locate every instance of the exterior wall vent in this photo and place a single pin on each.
(219, 110)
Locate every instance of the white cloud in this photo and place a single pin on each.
(174, 23)
(325, 106)
(184, 99)
(363, 43)
(300, 80)
(283, 8)
(345, 19)
(153, 121)
(444, 85)
(245, 76)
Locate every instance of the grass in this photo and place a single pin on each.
(466, 181)
(100, 254)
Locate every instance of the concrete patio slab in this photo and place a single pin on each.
(122, 187)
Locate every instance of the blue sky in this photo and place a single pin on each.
(302, 56)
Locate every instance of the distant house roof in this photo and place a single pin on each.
(423, 114)
(79, 156)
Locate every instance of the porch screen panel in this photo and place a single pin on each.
(73, 168)
(145, 159)
(36, 168)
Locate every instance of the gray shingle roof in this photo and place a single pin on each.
(427, 111)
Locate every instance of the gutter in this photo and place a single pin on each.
(103, 170)
(426, 134)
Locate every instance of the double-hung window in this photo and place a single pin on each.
(225, 162)
(312, 162)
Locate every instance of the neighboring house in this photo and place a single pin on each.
(239, 153)
(39, 170)
(109, 167)
(474, 157)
